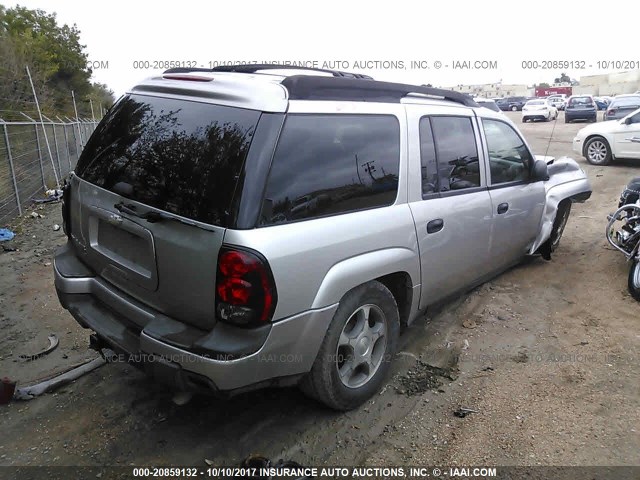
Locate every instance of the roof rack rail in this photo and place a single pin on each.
(255, 67)
(304, 87)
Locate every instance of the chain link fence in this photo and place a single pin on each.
(30, 153)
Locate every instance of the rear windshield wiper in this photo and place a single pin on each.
(154, 217)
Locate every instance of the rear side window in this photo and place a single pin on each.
(457, 166)
(179, 156)
(331, 164)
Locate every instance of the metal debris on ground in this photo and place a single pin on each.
(53, 344)
(52, 196)
(32, 391)
(463, 412)
(56, 227)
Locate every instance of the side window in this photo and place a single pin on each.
(509, 157)
(330, 164)
(428, 158)
(457, 153)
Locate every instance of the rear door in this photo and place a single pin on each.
(448, 198)
(155, 183)
(517, 202)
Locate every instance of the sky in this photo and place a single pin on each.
(451, 42)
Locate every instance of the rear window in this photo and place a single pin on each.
(181, 157)
(536, 102)
(581, 101)
(331, 164)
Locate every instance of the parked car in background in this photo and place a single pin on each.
(512, 103)
(502, 104)
(621, 106)
(580, 107)
(606, 141)
(600, 103)
(516, 103)
(558, 101)
(539, 109)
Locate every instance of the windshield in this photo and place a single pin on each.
(179, 156)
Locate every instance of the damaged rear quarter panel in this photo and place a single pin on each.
(566, 180)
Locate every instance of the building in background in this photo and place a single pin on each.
(494, 90)
(609, 84)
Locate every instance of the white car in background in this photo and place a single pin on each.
(558, 101)
(539, 109)
(605, 141)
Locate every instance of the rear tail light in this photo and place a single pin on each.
(245, 289)
(611, 111)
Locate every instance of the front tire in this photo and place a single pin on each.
(355, 355)
(514, 109)
(634, 280)
(597, 151)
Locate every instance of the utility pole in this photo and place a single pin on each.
(44, 130)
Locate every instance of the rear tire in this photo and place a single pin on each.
(597, 151)
(356, 353)
(514, 109)
(634, 280)
(562, 216)
(566, 120)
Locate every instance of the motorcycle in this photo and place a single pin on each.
(626, 238)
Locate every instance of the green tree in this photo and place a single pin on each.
(55, 57)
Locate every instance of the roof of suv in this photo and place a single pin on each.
(247, 85)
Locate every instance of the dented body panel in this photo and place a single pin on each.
(567, 181)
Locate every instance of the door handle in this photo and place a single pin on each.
(502, 208)
(435, 225)
(633, 139)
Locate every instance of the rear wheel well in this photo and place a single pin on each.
(400, 285)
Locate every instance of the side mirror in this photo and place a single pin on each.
(628, 121)
(540, 171)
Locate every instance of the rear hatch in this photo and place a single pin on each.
(150, 204)
(580, 104)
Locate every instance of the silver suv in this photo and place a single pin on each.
(241, 227)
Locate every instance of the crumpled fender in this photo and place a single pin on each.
(566, 181)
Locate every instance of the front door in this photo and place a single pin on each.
(448, 199)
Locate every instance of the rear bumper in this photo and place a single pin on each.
(541, 114)
(224, 359)
(580, 115)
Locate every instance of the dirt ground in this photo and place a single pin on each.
(547, 355)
